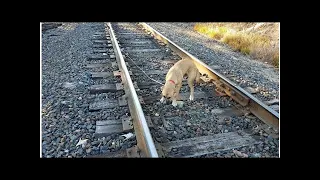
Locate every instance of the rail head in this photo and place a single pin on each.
(258, 108)
(143, 134)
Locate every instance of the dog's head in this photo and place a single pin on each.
(168, 90)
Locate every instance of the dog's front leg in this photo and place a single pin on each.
(174, 102)
(177, 91)
(162, 99)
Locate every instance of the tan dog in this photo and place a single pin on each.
(171, 88)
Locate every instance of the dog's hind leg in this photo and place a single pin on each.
(190, 82)
(198, 77)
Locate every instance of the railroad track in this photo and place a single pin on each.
(107, 104)
(127, 68)
(213, 124)
(113, 98)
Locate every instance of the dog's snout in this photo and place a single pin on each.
(167, 97)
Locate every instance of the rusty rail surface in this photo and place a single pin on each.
(144, 140)
(256, 107)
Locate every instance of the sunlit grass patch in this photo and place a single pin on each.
(253, 44)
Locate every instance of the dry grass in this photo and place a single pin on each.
(213, 32)
(257, 45)
(275, 59)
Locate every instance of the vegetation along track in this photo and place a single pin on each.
(222, 121)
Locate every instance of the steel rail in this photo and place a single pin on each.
(144, 139)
